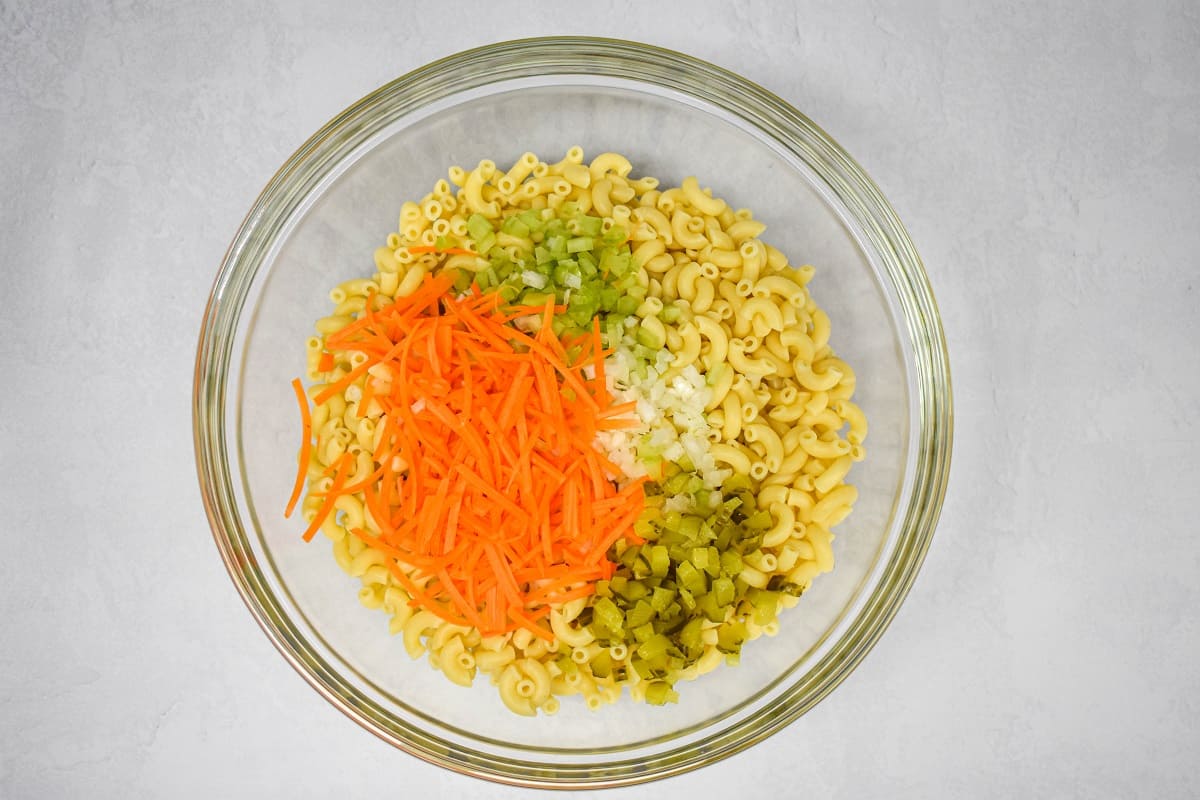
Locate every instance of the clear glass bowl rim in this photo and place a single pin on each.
(569, 55)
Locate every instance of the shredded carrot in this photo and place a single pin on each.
(305, 446)
(487, 487)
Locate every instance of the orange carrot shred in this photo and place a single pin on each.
(305, 446)
(489, 496)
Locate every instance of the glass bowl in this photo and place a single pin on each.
(317, 224)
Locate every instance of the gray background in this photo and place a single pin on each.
(1047, 163)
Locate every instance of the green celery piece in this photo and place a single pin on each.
(690, 635)
(590, 226)
(723, 591)
(758, 521)
(485, 243)
(614, 236)
(632, 591)
(601, 664)
(532, 219)
(731, 635)
(660, 561)
(626, 305)
(676, 482)
(713, 567)
(690, 525)
(660, 693)
(463, 280)
(649, 338)
(661, 598)
(536, 298)
(646, 530)
(478, 226)
(707, 605)
(690, 578)
(514, 226)
(687, 599)
(766, 604)
(737, 482)
(639, 615)
(606, 613)
(643, 632)
(579, 244)
(654, 648)
(557, 245)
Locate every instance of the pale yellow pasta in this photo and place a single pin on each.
(507, 685)
(689, 352)
(705, 204)
(745, 229)
(746, 364)
(683, 235)
(610, 162)
(813, 380)
(718, 340)
(766, 442)
(729, 454)
(565, 633)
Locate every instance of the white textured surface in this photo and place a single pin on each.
(1047, 164)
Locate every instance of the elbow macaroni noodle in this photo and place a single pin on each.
(721, 300)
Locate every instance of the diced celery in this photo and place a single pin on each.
(661, 598)
(478, 227)
(606, 613)
(654, 648)
(707, 605)
(532, 219)
(640, 614)
(601, 664)
(759, 520)
(660, 693)
(730, 636)
(626, 305)
(690, 578)
(690, 635)
(515, 226)
(590, 226)
(660, 562)
(689, 526)
(713, 567)
(737, 482)
(484, 243)
(649, 338)
(723, 591)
